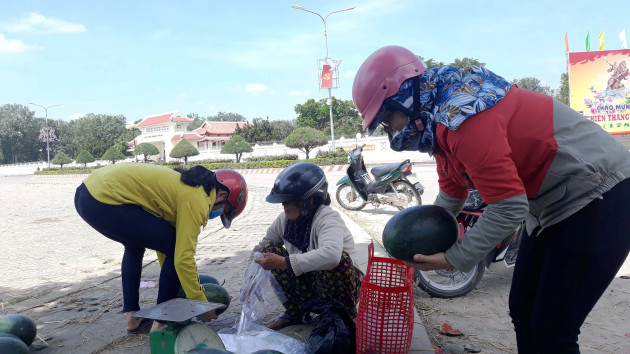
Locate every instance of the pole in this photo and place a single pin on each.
(47, 138)
(46, 131)
(298, 7)
(332, 129)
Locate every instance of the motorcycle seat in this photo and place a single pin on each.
(382, 170)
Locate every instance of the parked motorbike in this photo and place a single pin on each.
(386, 185)
(454, 283)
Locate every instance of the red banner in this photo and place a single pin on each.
(327, 81)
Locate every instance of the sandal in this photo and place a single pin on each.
(144, 324)
(282, 321)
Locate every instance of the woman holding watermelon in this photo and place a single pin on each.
(308, 247)
(149, 206)
(531, 158)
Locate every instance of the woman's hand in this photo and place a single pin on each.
(212, 315)
(271, 261)
(432, 262)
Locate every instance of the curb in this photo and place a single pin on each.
(255, 171)
(258, 171)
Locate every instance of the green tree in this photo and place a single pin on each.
(260, 130)
(93, 132)
(431, 63)
(184, 149)
(282, 128)
(305, 139)
(19, 134)
(316, 114)
(197, 121)
(532, 83)
(85, 157)
(562, 94)
(61, 159)
(466, 62)
(113, 154)
(227, 117)
(237, 146)
(146, 149)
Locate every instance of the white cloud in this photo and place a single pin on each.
(37, 23)
(74, 116)
(297, 93)
(13, 45)
(256, 88)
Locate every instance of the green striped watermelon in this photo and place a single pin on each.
(20, 326)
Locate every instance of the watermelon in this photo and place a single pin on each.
(203, 279)
(421, 229)
(13, 345)
(217, 293)
(19, 325)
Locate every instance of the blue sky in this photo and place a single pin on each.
(259, 58)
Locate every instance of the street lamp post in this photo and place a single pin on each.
(47, 133)
(329, 101)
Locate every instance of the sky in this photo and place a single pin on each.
(259, 58)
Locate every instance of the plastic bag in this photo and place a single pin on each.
(335, 331)
(248, 337)
(261, 294)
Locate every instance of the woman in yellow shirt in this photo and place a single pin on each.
(150, 206)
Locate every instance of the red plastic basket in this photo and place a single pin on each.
(385, 318)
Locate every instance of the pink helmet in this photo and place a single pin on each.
(380, 77)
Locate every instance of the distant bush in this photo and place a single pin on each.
(207, 161)
(220, 165)
(273, 157)
(331, 154)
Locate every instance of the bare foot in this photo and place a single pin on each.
(157, 326)
(132, 322)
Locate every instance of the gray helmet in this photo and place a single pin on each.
(299, 181)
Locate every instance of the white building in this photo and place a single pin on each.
(165, 130)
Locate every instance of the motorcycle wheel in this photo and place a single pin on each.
(408, 189)
(447, 284)
(348, 198)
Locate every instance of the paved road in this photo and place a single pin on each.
(65, 275)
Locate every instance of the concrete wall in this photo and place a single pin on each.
(376, 152)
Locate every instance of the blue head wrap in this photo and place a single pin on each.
(445, 95)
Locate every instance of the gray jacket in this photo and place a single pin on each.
(588, 162)
(329, 237)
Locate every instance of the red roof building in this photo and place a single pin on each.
(165, 130)
(214, 135)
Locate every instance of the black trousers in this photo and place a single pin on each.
(136, 229)
(562, 272)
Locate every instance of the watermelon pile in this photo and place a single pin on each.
(17, 333)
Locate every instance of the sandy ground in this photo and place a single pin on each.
(63, 274)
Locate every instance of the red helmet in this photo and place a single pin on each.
(380, 77)
(237, 197)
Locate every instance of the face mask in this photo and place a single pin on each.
(406, 139)
(215, 213)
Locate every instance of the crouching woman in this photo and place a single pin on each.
(308, 247)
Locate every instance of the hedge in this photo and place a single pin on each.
(220, 165)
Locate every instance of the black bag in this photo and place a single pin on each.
(335, 331)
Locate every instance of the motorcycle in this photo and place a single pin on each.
(454, 283)
(386, 185)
